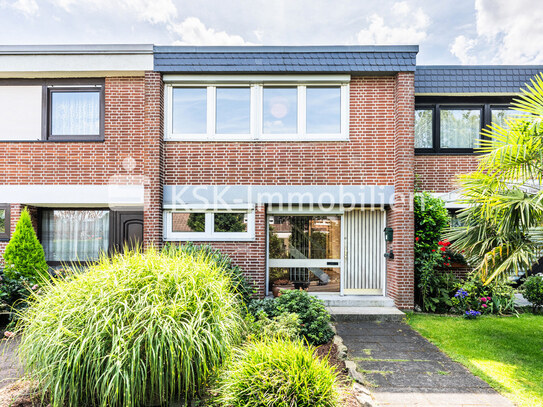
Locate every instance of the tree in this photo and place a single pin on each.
(501, 231)
(24, 257)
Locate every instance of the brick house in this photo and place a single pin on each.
(293, 160)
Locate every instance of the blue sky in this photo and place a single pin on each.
(448, 31)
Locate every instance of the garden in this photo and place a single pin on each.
(476, 317)
(177, 325)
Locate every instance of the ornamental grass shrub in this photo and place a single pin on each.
(277, 372)
(137, 329)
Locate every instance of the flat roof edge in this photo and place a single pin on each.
(422, 67)
(76, 49)
(283, 49)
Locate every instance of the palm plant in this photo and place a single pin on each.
(501, 231)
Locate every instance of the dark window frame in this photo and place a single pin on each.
(436, 103)
(64, 83)
(111, 233)
(48, 113)
(5, 236)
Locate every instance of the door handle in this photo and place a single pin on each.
(332, 263)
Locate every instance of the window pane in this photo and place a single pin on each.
(312, 279)
(323, 110)
(230, 222)
(460, 127)
(189, 110)
(71, 235)
(305, 237)
(423, 128)
(2, 221)
(280, 114)
(499, 115)
(75, 113)
(233, 110)
(188, 222)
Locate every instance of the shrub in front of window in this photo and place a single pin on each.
(533, 290)
(137, 329)
(277, 372)
(239, 282)
(24, 265)
(24, 256)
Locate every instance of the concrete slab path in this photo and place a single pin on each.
(10, 371)
(405, 369)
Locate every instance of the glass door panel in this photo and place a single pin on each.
(305, 252)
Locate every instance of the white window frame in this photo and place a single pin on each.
(209, 234)
(256, 84)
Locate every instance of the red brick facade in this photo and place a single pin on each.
(436, 173)
(380, 151)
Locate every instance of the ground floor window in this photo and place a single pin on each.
(209, 225)
(4, 222)
(75, 234)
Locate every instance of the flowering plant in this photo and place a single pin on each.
(471, 314)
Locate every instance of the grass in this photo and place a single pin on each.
(137, 329)
(506, 352)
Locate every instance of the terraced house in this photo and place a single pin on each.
(300, 162)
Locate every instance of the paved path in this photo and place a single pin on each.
(407, 370)
(9, 367)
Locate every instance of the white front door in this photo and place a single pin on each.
(364, 246)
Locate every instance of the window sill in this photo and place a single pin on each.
(55, 141)
(209, 239)
(241, 139)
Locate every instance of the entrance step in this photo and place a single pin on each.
(331, 300)
(353, 314)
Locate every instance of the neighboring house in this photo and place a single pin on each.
(79, 128)
(293, 160)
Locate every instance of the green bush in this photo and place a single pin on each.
(431, 220)
(24, 257)
(277, 373)
(435, 286)
(495, 298)
(235, 273)
(315, 320)
(533, 290)
(136, 329)
(285, 326)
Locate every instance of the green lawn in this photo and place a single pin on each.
(506, 352)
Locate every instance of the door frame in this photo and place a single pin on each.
(336, 211)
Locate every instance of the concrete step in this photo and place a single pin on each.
(353, 314)
(335, 300)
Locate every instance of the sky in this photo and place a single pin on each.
(447, 31)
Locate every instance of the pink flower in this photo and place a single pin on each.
(483, 299)
(484, 305)
(8, 334)
(35, 287)
(488, 298)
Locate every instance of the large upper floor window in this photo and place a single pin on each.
(52, 110)
(453, 127)
(257, 111)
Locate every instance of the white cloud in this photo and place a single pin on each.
(193, 32)
(461, 48)
(28, 7)
(407, 26)
(152, 11)
(508, 32)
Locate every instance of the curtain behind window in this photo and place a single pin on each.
(75, 235)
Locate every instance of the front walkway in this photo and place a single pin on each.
(9, 366)
(404, 369)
